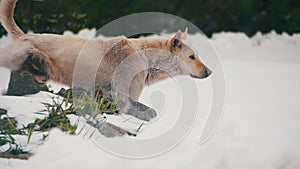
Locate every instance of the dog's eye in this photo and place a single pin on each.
(192, 57)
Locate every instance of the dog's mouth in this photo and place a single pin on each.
(199, 77)
(194, 76)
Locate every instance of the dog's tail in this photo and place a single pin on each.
(7, 8)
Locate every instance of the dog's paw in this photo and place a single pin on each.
(143, 115)
(141, 111)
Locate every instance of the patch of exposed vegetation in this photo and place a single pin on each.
(8, 130)
(88, 106)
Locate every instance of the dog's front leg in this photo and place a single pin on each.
(141, 111)
(134, 108)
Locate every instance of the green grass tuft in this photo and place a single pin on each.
(87, 106)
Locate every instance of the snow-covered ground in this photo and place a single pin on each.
(260, 128)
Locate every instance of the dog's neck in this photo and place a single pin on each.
(161, 62)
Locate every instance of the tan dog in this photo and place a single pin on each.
(51, 56)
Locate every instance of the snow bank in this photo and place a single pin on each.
(259, 130)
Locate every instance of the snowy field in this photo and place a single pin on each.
(260, 128)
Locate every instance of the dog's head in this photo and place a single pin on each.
(191, 63)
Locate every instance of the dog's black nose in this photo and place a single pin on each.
(206, 73)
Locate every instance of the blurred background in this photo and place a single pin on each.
(249, 16)
(260, 126)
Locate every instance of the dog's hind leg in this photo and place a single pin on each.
(37, 67)
(13, 55)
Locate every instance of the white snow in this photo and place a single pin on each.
(260, 128)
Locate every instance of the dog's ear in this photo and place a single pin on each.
(184, 35)
(175, 43)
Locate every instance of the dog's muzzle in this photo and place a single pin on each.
(204, 74)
